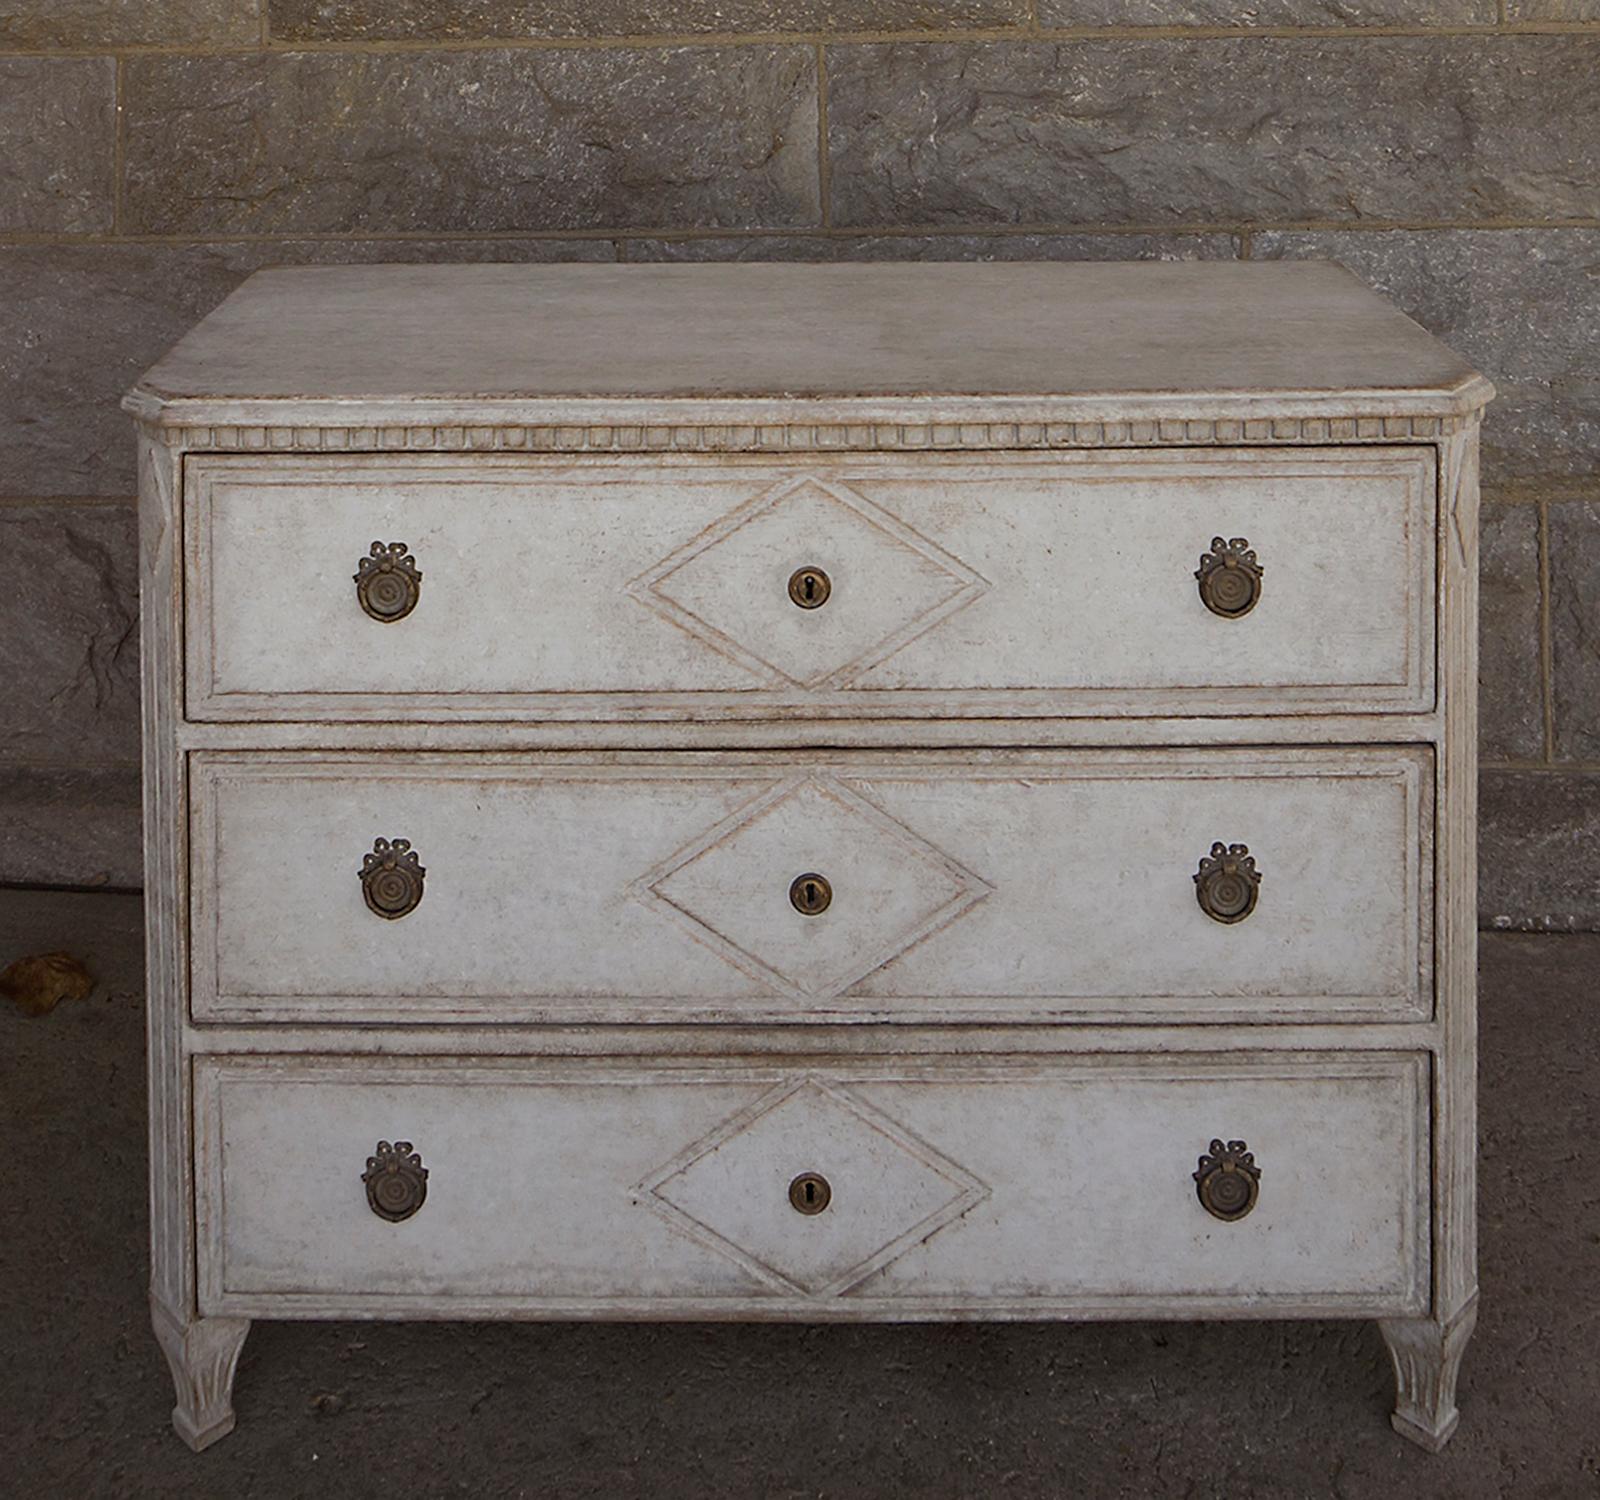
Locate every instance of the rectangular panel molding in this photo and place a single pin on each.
(661, 887)
(648, 586)
(686, 1172)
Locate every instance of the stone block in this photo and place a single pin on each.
(70, 825)
(1510, 663)
(117, 23)
(57, 133)
(1539, 851)
(1222, 130)
(69, 632)
(936, 247)
(481, 141)
(1575, 627)
(1341, 13)
(474, 20)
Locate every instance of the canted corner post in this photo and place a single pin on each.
(203, 1354)
(1427, 1359)
(1427, 1351)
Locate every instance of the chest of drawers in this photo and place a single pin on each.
(810, 793)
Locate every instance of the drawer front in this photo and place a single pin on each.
(935, 586)
(586, 1188)
(1004, 886)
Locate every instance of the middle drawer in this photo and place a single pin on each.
(1150, 885)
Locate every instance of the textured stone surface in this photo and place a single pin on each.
(69, 650)
(1575, 628)
(451, 20)
(1521, 304)
(56, 140)
(1268, 12)
(1109, 1411)
(1553, 10)
(484, 140)
(70, 825)
(1510, 670)
(1539, 850)
(120, 23)
(1215, 130)
(88, 320)
(938, 247)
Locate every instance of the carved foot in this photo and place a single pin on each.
(1427, 1359)
(203, 1353)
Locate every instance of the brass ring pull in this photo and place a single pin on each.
(1228, 1181)
(1227, 882)
(810, 894)
(810, 587)
(397, 1182)
(809, 1193)
(387, 582)
(1230, 578)
(391, 878)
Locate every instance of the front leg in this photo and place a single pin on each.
(1427, 1358)
(203, 1353)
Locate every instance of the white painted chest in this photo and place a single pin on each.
(810, 793)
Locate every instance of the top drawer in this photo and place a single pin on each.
(831, 586)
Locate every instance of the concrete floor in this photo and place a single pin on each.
(1232, 1411)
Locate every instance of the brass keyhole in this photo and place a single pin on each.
(810, 894)
(809, 1193)
(809, 587)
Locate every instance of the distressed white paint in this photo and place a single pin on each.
(955, 1185)
(1030, 886)
(971, 427)
(606, 336)
(1037, 585)
(203, 1354)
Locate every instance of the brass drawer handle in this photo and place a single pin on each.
(810, 894)
(810, 587)
(387, 582)
(1230, 578)
(397, 1182)
(1228, 1181)
(391, 878)
(1227, 882)
(809, 1193)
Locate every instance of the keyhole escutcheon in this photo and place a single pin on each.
(809, 1193)
(810, 894)
(809, 587)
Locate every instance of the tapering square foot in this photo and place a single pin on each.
(1429, 1438)
(1427, 1360)
(203, 1354)
(201, 1438)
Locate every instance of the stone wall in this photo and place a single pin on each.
(152, 154)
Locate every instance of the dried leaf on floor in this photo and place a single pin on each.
(38, 983)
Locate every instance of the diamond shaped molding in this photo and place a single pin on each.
(728, 587)
(730, 888)
(890, 1190)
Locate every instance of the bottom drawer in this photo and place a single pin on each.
(833, 1188)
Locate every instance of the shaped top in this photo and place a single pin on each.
(872, 339)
